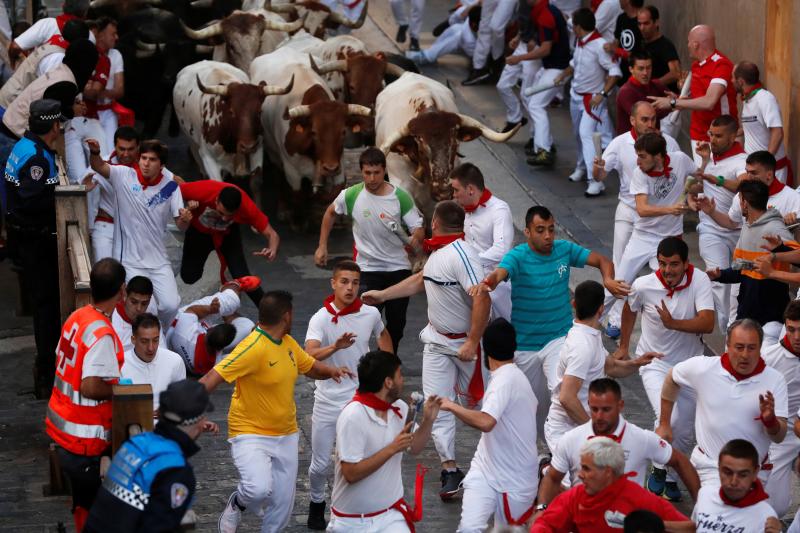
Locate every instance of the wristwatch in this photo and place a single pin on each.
(541, 507)
(672, 103)
(604, 94)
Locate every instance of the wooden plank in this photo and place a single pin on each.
(131, 404)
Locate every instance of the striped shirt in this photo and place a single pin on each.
(540, 298)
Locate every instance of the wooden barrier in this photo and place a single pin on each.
(132, 406)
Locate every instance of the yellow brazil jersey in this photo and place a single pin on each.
(265, 371)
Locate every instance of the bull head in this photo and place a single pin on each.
(324, 16)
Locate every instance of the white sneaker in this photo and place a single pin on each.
(578, 174)
(595, 188)
(230, 517)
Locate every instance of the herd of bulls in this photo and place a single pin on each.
(276, 86)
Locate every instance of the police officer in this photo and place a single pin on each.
(31, 178)
(150, 485)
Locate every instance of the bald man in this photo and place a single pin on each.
(711, 92)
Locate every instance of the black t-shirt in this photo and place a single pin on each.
(627, 33)
(559, 53)
(663, 51)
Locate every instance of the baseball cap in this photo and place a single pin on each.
(184, 402)
(44, 113)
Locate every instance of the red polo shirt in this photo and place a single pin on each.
(716, 68)
(207, 219)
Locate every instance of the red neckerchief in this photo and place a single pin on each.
(756, 494)
(58, 40)
(636, 82)
(658, 173)
(597, 504)
(788, 346)
(672, 290)
(370, 400)
(775, 187)
(594, 4)
(440, 241)
(615, 438)
(736, 149)
(634, 134)
(354, 307)
(63, 19)
(113, 155)
(485, 195)
(143, 181)
(749, 94)
(121, 311)
(726, 364)
(592, 37)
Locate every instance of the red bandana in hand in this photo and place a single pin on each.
(143, 181)
(440, 241)
(354, 307)
(592, 37)
(756, 494)
(370, 400)
(726, 364)
(736, 149)
(658, 173)
(485, 195)
(672, 290)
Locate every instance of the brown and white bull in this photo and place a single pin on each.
(220, 111)
(245, 35)
(418, 126)
(316, 16)
(304, 130)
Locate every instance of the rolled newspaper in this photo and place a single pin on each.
(597, 139)
(530, 91)
(687, 84)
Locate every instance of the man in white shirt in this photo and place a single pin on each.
(451, 357)
(641, 446)
(146, 202)
(677, 308)
(740, 502)
(339, 334)
(762, 123)
(488, 227)
(148, 362)
(138, 299)
(620, 155)
(507, 421)
(372, 434)
(738, 397)
(594, 74)
(606, 17)
(582, 360)
(43, 29)
(376, 207)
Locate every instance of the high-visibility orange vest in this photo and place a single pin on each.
(76, 423)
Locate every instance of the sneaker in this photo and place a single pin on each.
(316, 516)
(401, 33)
(612, 331)
(248, 283)
(477, 77)
(414, 44)
(672, 492)
(542, 158)
(595, 188)
(530, 151)
(451, 484)
(657, 481)
(578, 174)
(439, 29)
(231, 516)
(511, 125)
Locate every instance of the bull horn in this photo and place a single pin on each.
(346, 22)
(362, 110)
(486, 131)
(299, 111)
(206, 33)
(203, 48)
(150, 47)
(313, 64)
(280, 8)
(277, 89)
(340, 65)
(219, 90)
(394, 70)
(100, 3)
(141, 54)
(199, 4)
(392, 139)
(284, 26)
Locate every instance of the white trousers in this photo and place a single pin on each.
(537, 107)
(553, 431)
(683, 412)
(229, 303)
(102, 240)
(401, 15)
(540, 367)
(443, 373)
(524, 71)
(392, 521)
(708, 469)
(76, 152)
(779, 485)
(323, 436)
(640, 250)
(165, 289)
(584, 126)
(456, 38)
(624, 217)
(109, 122)
(495, 16)
(717, 251)
(267, 476)
(481, 502)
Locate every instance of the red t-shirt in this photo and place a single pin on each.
(605, 512)
(718, 69)
(207, 219)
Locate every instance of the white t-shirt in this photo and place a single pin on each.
(788, 364)
(117, 67)
(641, 448)
(365, 324)
(584, 357)
(647, 292)
(378, 249)
(124, 329)
(143, 215)
(728, 409)
(729, 168)
(712, 515)
(786, 201)
(48, 63)
(165, 368)
(761, 112)
(620, 155)
(38, 34)
(108, 199)
(592, 65)
(663, 191)
(510, 447)
(606, 18)
(490, 230)
(361, 433)
(101, 359)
